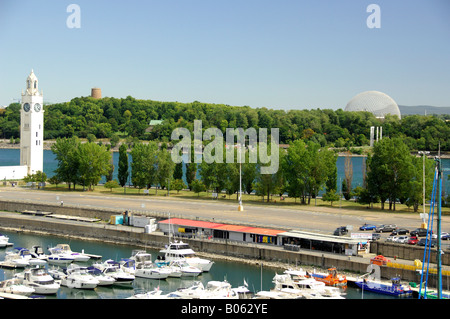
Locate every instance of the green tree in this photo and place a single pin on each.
(178, 185)
(123, 165)
(54, 180)
(112, 184)
(178, 171)
(68, 163)
(330, 196)
(390, 168)
(143, 166)
(198, 186)
(94, 162)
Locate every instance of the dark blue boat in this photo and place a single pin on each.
(393, 289)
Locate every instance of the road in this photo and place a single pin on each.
(314, 219)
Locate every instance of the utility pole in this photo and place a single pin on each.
(240, 207)
(423, 191)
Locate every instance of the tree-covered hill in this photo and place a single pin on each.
(109, 117)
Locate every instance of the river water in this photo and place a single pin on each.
(258, 277)
(10, 157)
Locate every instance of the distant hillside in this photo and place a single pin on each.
(422, 109)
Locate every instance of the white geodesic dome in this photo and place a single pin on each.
(375, 102)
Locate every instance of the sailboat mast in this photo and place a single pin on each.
(438, 222)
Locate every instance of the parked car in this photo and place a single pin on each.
(386, 228)
(400, 231)
(340, 231)
(367, 227)
(402, 239)
(413, 240)
(376, 236)
(419, 232)
(423, 241)
(445, 236)
(391, 238)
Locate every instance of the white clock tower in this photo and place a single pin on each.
(32, 127)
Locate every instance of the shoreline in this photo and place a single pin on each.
(4, 144)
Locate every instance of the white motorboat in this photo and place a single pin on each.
(103, 279)
(154, 294)
(298, 285)
(16, 260)
(32, 258)
(145, 268)
(112, 268)
(214, 290)
(179, 250)
(40, 280)
(77, 257)
(13, 286)
(4, 241)
(219, 290)
(151, 271)
(128, 265)
(186, 270)
(59, 257)
(57, 273)
(78, 277)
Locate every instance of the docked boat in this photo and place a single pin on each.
(40, 280)
(4, 241)
(14, 259)
(332, 278)
(298, 284)
(103, 279)
(77, 257)
(214, 290)
(186, 270)
(151, 271)
(395, 288)
(112, 268)
(59, 257)
(78, 277)
(128, 265)
(145, 268)
(179, 250)
(13, 286)
(31, 258)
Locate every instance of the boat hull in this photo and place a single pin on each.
(151, 274)
(384, 289)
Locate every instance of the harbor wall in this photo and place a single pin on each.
(136, 236)
(119, 234)
(57, 208)
(408, 252)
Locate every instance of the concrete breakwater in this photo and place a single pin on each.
(276, 256)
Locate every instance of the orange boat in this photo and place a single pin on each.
(332, 278)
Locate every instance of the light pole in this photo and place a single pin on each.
(240, 207)
(423, 191)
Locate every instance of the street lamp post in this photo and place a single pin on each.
(423, 191)
(240, 207)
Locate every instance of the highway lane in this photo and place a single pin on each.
(315, 219)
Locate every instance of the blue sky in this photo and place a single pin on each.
(285, 54)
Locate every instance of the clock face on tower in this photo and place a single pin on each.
(26, 107)
(37, 107)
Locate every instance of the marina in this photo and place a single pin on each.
(257, 277)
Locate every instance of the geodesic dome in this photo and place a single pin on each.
(375, 102)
